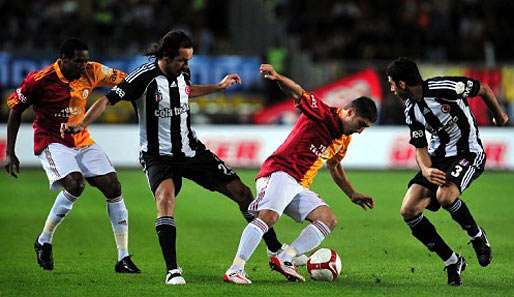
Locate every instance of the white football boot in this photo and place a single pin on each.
(300, 260)
(236, 277)
(286, 269)
(174, 277)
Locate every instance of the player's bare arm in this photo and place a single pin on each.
(225, 83)
(433, 175)
(12, 165)
(500, 117)
(341, 179)
(92, 114)
(287, 85)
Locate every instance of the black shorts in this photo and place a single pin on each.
(206, 169)
(461, 170)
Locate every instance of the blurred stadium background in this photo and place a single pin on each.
(339, 49)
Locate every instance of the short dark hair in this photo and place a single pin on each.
(364, 107)
(69, 46)
(404, 69)
(169, 45)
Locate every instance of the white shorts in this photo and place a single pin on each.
(59, 160)
(281, 193)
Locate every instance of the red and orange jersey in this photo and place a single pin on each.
(56, 100)
(335, 151)
(316, 138)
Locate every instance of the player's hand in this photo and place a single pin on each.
(267, 71)
(12, 165)
(229, 80)
(502, 120)
(68, 128)
(435, 176)
(363, 200)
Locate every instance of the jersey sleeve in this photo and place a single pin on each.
(339, 156)
(130, 89)
(452, 88)
(312, 107)
(418, 136)
(105, 76)
(25, 95)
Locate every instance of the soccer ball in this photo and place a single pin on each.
(324, 265)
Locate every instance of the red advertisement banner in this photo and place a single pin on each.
(336, 94)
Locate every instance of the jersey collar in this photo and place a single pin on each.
(59, 72)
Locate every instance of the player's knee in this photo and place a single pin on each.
(164, 199)
(245, 197)
(408, 212)
(330, 220)
(239, 191)
(112, 189)
(165, 206)
(269, 217)
(445, 196)
(74, 184)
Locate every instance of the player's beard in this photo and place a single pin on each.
(403, 95)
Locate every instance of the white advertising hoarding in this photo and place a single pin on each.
(248, 146)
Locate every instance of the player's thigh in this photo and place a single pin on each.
(93, 161)
(275, 192)
(416, 199)
(210, 172)
(464, 170)
(159, 169)
(58, 162)
(307, 203)
(236, 190)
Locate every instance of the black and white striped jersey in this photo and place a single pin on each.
(162, 106)
(444, 112)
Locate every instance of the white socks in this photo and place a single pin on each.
(117, 213)
(250, 239)
(310, 237)
(62, 206)
(119, 219)
(452, 260)
(478, 234)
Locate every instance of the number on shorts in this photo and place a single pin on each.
(224, 168)
(456, 172)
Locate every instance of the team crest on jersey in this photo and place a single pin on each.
(445, 108)
(188, 90)
(464, 162)
(85, 93)
(157, 96)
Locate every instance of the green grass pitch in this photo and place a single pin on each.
(380, 257)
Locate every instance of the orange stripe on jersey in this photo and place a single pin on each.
(337, 150)
(44, 72)
(82, 138)
(12, 101)
(344, 148)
